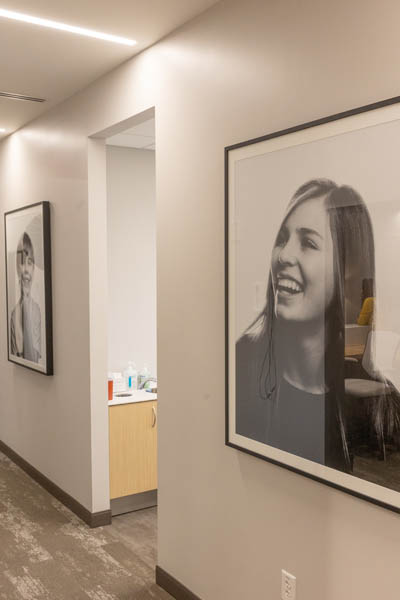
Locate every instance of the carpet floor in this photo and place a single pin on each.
(47, 553)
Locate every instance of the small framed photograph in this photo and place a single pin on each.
(28, 276)
(312, 300)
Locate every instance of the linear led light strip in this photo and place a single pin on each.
(16, 16)
(12, 96)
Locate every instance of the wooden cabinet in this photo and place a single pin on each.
(133, 448)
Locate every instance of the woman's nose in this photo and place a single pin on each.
(288, 253)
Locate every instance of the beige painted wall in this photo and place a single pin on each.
(47, 419)
(227, 522)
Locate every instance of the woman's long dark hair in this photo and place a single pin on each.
(353, 245)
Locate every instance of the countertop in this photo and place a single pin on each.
(135, 396)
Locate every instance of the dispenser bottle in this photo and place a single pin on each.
(131, 377)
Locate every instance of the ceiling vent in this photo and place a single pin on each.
(20, 97)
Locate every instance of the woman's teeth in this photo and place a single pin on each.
(288, 285)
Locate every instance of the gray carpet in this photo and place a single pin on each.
(47, 553)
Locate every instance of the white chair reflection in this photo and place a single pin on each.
(375, 390)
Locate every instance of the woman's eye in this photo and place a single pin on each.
(309, 243)
(281, 238)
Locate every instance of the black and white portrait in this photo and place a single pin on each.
(25, 322)
(28, 287)
(313, 320)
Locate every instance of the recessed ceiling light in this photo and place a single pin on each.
(2, 130)
(16, 16)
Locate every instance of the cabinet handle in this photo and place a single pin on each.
(154, 417)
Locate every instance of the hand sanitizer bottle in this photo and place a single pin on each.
(131, 377)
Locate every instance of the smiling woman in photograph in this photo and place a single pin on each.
(290, 360)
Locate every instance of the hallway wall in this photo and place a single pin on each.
(46, 420)
(228, 522)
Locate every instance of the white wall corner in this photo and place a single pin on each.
(98, 307)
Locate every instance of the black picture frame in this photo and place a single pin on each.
(29, 287)
(358, 119)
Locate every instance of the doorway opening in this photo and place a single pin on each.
(122, 281)
(132, 359)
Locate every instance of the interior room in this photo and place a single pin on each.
(263, 111)
(132, 343)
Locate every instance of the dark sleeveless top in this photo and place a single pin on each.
(294, 420)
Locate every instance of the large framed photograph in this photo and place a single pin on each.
(28, 276)
(313, 300)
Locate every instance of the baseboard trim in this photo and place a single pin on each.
(97, 519)
(173, 586)
(120, 506)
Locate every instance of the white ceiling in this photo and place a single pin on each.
(54, 65)
(140, 136)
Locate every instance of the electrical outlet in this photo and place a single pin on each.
(288, 586)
